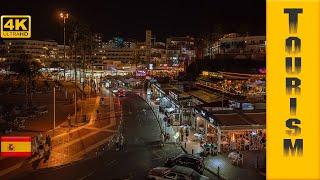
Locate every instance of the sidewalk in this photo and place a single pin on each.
(171, 130)
(58, 138)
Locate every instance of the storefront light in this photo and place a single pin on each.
(232, 137)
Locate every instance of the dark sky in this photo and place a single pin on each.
(131, 18)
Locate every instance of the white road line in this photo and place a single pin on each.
(75, 140)
(90, 148)
(86, 176)
(12, 168)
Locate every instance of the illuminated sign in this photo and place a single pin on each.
(15, 26)
(141, 73)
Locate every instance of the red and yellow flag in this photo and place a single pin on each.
(15, 146)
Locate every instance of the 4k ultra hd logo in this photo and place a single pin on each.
(15, 26)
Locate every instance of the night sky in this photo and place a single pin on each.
(131, 18)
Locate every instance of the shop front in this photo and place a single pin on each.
(243, 139)
(230, 130)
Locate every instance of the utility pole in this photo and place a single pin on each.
(54, 108)
(64, 47)
(64, 16)
(75, 75)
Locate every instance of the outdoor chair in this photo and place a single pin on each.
(240, 159)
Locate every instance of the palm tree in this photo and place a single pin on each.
(27, 69)
(82, 42)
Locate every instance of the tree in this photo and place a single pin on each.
(83, 43)
(27, 69)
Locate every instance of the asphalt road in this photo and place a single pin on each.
(141, 152)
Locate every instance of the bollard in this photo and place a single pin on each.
(192, 151)
(185, 144)
(218, 173)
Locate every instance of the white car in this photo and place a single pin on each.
(115, 90)
(176, 172)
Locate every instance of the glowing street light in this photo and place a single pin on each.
(64, 16)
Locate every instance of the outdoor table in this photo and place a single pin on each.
(205, 146)
(233, 155)
(198, 136)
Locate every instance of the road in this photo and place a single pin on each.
(141, 152)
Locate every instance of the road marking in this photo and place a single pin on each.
(74, 141)
(14, 167)
(86, 176)
(90, 148)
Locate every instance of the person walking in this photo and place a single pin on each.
(69, 119)
(181, 134)
(187, 133)
(98, 115)
(117, 143)
(48, 141)
(121, 141)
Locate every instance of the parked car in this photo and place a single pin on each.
(187, 160)
(176, 172)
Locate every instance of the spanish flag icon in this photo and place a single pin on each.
(16, 146)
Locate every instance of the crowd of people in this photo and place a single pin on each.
(41, 147)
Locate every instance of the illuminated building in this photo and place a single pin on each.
(180, 51)
(234, 44)
(43, 51)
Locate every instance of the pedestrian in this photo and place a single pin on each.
(187, 133)
(69, 118)
(48, 141)
(41, 151)
(121, 141)
(211, 149)
(98, 116)
(181, 134)
(163, 139)
(117, 142)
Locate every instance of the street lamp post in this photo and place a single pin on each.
(64, 16)
(54, 109)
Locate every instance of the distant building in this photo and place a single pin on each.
(61, 50)
(234, 44)
(180, 51)
(140, 53)
(148, 45)
(42, 51)
(3, 52)
(158, 54)
(114, 53)
(98, 39)
(117, 42)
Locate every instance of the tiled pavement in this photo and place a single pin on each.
(74, 145)
(71, 144)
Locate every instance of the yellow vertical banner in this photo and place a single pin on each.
(293, 78)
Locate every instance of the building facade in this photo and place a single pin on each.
(234, 44)
(158, 54)
(42, 51)
(180, 51)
